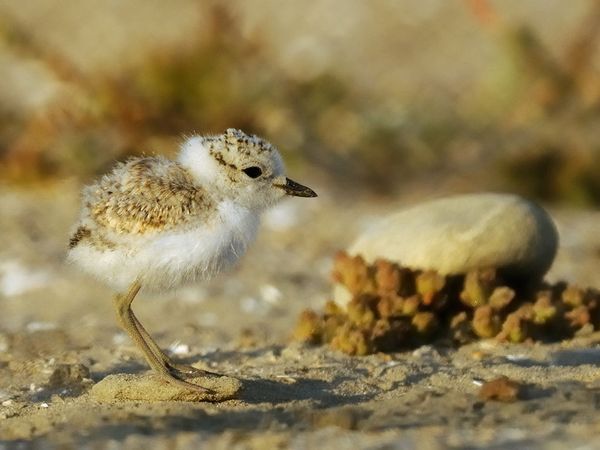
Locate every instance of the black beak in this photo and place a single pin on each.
(296, 189)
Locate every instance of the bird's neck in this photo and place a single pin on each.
(242, 220)
(196, 158)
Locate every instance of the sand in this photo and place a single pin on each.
(70, 378)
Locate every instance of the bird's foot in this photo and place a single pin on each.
(188, 371)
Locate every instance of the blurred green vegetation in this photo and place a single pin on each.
(530, 125)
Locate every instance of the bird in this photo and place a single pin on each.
(157, 223)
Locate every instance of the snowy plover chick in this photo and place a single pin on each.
(157, 223)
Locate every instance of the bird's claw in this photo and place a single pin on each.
(190, 371)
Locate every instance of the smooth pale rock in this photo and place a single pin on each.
(151, 388)
(456, 234)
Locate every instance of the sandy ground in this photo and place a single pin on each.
(58, 338)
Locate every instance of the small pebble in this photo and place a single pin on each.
(502, 389)
(271, 294)
(177, 348)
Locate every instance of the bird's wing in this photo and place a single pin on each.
(146, 195)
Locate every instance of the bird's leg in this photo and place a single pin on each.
(182, 368)
(160, 354)
(129, 322)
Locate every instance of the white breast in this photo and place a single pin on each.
(168, 259)
(202, 251)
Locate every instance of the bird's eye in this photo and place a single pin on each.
(253, 172)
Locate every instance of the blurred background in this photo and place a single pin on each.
(373, 97)
(374, 105)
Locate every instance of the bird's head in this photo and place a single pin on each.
(240, 167)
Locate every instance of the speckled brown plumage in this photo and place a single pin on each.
(229, 146)
(81, 233)
(146, 195)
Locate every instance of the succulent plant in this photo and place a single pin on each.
(393, 308)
